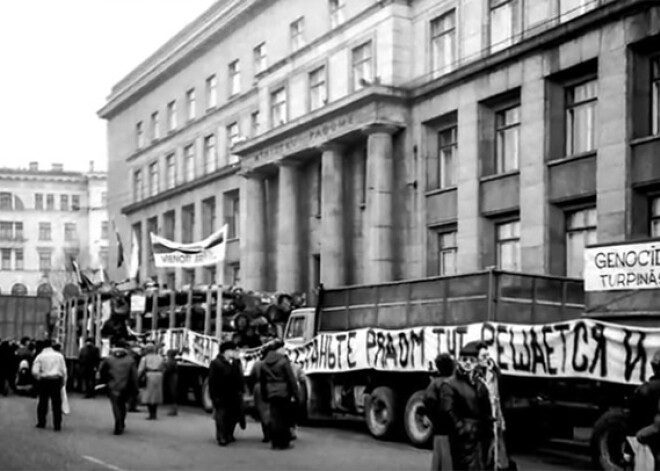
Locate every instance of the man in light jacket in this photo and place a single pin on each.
(49, 370)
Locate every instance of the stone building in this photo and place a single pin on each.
(367, 141)
(48, 217)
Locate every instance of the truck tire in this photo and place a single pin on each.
(416, 423)
(608, 440)
(207, 404)
(381, 413)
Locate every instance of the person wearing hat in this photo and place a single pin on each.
(89, 359)
(151, 368)
(119, 372)
(442, 459)
(226, 390)
(464, 401)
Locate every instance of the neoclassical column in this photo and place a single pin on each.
(333, 263)
(378, 243)
(253, 231)
(288, 229)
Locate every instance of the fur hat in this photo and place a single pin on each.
(471, 349)
(228, 345)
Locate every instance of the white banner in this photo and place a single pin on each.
(622, 267)
(210, 251)
(574, 349)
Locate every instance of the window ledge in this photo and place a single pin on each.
(233, 239)
(644, 140)
(439, 191)
(571, 158)
(498, 176)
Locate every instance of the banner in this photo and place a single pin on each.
(622, 267)
(210, 251)
(575, 349)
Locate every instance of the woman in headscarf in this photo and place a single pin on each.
(151, 369)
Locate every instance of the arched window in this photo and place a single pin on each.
(9, 202)
(44, 290)
(19, 289)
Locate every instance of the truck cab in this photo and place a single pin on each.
(299, 328)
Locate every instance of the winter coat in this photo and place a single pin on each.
(277, 378)
(432, 402)
(259, 402)
(225, 383)
(152, 365)
(89, 358)
(644, 404)
(119, 372)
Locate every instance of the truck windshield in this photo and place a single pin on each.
(296, 328)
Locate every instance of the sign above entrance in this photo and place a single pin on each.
(622, 267)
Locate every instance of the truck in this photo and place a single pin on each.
(368, 350)
(25, 316)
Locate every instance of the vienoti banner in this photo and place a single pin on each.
(207, 252)
(622, 267)
(576, 349)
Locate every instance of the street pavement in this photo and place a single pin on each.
(186, 442)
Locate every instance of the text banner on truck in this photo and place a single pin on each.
(210, 251)
(575, 349)
(622, 267)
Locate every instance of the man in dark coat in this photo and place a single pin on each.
(119, 372)
(6, 363)
(280, 390)
(226, 390)
(644, 401)
(464, 400)
(442, 459)
(88, 362)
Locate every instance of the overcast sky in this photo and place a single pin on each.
(59, 59)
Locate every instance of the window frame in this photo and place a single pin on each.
(436, 38)
(138, 184)
(191, 104)
(283, 104)
(234, 78)
(42, 257)
(211, 92)
(357, 64)
(500, 242)
(210, 165)
(502, 130)
(440, 156)
(570, 106)
(155, 126)
(654, 62)
(45, 231)
(320, 85)
(585, 229)
(336, 8)
(172, 122)
(260, 58)
(70, 232)
(139, 135)
(297, 34)
(170, 180)
(189, 174)
(494, 6)
(64, 202)
(154, 187)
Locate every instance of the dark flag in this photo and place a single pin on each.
(120, 250)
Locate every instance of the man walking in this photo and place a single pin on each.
(119, 372)
(226, 390)
(442, 458)
(88, 360)
(49, 370)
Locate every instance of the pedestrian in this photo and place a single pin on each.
(119, 372)
(262, 407)
(150, 374)
(6, 366)
(442, 457)
(49, 370)
(239, 378)
(136, 353)
(171, 381)
(88, 363)
(643, 403)
(464, 400)
(226, 390)
(298, 403)
(280, 390)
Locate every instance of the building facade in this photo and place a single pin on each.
(370, 141)
(48, 217)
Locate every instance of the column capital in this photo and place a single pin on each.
(286, 163)
(381, 127)
(249, 173)
(331, 146)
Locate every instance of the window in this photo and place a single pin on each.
(189, 277)
(188, 223)
(296, 328)
(208, 216)
(44, 261)
(137, 185)
(254, 123)
(44, 231)
(443, 43)
(278, 107)
(18, 231)
(50, 202)
(155, 126)
(655, 95)
(189, 160)
(507, 136)
(362, 70)
(139, 134)
(654, 226)
(38, 201)
(70, 231)
(169, 224)
(104, 230)
(297, 34)
(508, 245)
(6, 230)
(446, 252)
(170, 280)
(191, 104)
(580, 232)
(170, 171)
(18, 259)
(152, 227)
(234, 78)
(211, 92)
(75, 202)
(318, 89)
(502, 15)
(6, 203)
(581, 117)
(260, 59)
(445, 160)
(171, 115)
(209, 275)
(153, 178)
(6, 259)
(336, 12)
(210, 155)
(569, 9)
(64, 202)
(233, 133)
(235, 273)
(104, 198)
(232, 214)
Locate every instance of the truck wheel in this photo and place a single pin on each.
(381, 412)
(608, 441)
(416, 422)
(207, 404)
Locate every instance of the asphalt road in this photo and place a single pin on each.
(186, 443)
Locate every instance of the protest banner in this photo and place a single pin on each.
(622, 267)
(210, 251)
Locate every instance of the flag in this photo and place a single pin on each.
(134, 262)
(120, 249)
(83, 281)
(209, 251)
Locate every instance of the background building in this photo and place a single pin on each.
(383, 140)
(46, 218)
